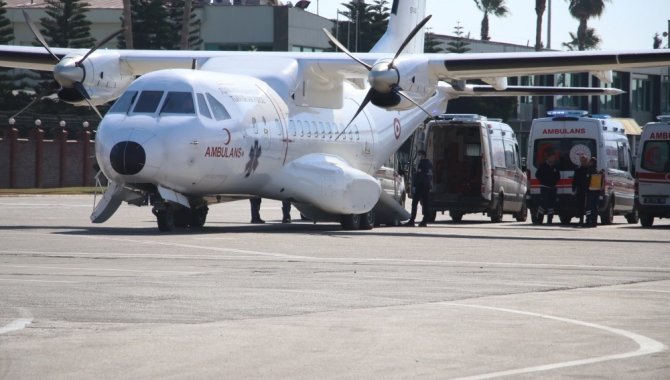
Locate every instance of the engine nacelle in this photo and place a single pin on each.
(409, 74)
(102, 75)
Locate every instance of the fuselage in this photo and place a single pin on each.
(235, 133)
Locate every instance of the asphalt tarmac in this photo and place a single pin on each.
(471, 300)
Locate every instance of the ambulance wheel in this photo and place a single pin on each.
(646, 220)
(633, 217)
(535, 218)
(456, 216)
(165, 218)
(497, 213)
(522, 215)
(367, 220)
(350, 222)
(607, 217)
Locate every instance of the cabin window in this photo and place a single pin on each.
(302, 129)
(148, 101)
(202, 106)
(123, 104)
(315, 130)
(291, 128)
(322, 129)
(219, 111)
(179, 102)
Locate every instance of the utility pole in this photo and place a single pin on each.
(548, 24)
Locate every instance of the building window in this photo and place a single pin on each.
(665, 94)
(569, 80)
(641, 93)
(611, 104)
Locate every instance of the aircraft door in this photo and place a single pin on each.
(276, 127)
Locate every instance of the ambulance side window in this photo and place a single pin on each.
(510, 156)
(622, 157)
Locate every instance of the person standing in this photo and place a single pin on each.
(422, 182)
(580, 186)
(286, 212)
(256, 210)
(594, 183)
(548, 174)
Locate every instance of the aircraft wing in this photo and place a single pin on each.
(487, 65)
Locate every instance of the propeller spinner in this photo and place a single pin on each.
(383, 76)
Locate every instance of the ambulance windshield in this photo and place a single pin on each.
(569, 150)
(656, 156)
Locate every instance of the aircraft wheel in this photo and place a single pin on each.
(165, 218)
(199, 216)
(182, 217)
(350, 222)
(646, 220)
(367, 220)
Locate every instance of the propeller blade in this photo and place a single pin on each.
(100, 43)
(38, 35)
(368, 98)
(404, 95)
(341, 47)
(80, 87)
(45, 91)
(410, 37)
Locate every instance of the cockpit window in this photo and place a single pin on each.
(179, 103)
(148, 101)
(123, 104)
(202, 106)
(218, 109)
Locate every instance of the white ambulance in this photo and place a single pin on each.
(476, 167)
(573, 134)
(653, 172)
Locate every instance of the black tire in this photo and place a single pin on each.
(199, 216)
(456, 216)
(350, 222)
(182, 217)
(607, 217)
(367, 220)
(646, 220)
(497, 213)
(522, 215)
(633, 217)
(165, 218)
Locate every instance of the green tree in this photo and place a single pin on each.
(186, 23)
(151, 28)
(66, 24)
(583, 10)
(591, 42)
(458, 45)
(494, 7)
(7, 101)
(431, 44)
(366, 24)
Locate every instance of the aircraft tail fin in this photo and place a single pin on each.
(405, 15)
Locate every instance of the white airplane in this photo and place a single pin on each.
(194, 127)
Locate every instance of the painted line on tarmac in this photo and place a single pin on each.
(98, 269)
(46, 281)
(17, 324)
(646, 346)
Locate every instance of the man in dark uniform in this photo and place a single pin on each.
(548, 174)
(579, 187)
(255, 210)
(592, 193)
(422, 182)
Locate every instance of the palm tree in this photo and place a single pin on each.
(127, 24)
(591, 42)
(583, 10)
(540, 7)
(494, 7)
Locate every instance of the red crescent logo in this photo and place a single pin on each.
(396, 128)
(228, 132)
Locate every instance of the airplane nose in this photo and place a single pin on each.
(127, 157)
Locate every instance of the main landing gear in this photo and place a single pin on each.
(364, 221)
(170, 216)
